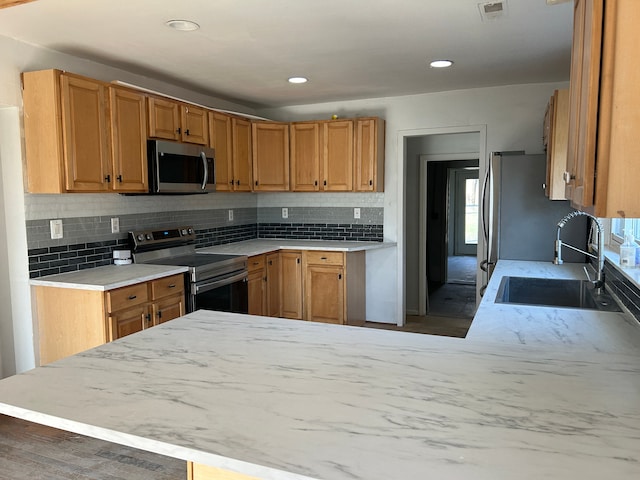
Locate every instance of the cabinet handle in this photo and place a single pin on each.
(297, 260)
(325, 183)
(339, 276)
(159, 314)
(316, 183)
(270, 262)
(173, 285)
(187, 132)
(237, 182)
(178, 130)
(370, 182)
(107, 178)
(323, 258)
(256, 263)
(132, 297)
(119, 178)
(256, 183)
(231, 182)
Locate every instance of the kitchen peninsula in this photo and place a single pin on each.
(269, 398)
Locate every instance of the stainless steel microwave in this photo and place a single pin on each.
(184, 168)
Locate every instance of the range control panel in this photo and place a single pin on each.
(146, 239)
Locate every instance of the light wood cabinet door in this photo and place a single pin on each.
(220, 139)
(85, 134)
(128, 115)
(256, 285)
(270, 144)
(305, 156)
(194, 125)
(164, 119)
(325, 294)
(369, 155)
(242, 156)
(129, 321)
(338, 156)
(198, 471)
(555, 131)
(273, 284)
(291, 294)
(167, 309)
(583, 100)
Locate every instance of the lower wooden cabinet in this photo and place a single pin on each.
(291, 286)
(264, 284)
(72, 320)
(334, 287)
(198, 471)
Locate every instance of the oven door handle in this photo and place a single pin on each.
(219, 282)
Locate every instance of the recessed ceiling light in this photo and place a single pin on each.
(441, 63)
(183, 25)
(298, 80)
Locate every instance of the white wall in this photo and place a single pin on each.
(512, 115)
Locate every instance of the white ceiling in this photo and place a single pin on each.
(246, 49)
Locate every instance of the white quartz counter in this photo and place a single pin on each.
(259, 246)
(549, 326)
(107, 277)
(282, 399)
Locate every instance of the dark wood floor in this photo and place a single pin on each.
(29, 451)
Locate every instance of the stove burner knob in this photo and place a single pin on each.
(140, 237)
(191, 231)
(149, 237)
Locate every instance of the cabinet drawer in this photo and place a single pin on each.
(255, 263)
(164, 287)
(325, 258)
(126, 297)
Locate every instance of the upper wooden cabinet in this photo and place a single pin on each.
(220, 139)
(270, 143)
(554, 138)
(128, 121)
(66, 133)
(337, 158)
(305, 156)
(177, 121)
(242, 156)
(604, 109)
(368, 170)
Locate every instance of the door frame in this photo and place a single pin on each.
(422, 252)
(401, 199)
(461, 175)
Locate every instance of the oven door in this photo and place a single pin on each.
(226, 294)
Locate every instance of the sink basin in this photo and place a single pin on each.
(552, 292)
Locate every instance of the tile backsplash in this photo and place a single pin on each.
(88, 241)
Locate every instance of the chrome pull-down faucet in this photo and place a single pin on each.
(599, 281)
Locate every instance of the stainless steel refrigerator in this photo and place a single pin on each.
(518, 221)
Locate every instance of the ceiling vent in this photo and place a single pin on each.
(490, 11)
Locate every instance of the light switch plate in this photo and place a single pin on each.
(356, 212)
(285, 212)
(230, 215)
(115, 225)
(56, 229)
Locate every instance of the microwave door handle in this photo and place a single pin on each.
(206, 170)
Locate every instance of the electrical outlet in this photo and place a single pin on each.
(285, 212)
(356, 212)
(230, 215)
(56, 229)
(115, 225)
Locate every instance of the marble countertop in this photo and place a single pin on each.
(549, 326)
(281, 399)
(259, 246)
(108, 277)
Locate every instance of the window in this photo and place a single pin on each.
(621, 225)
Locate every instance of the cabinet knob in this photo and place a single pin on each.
(568, 177)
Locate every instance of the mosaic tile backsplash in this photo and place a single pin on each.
(89, 243)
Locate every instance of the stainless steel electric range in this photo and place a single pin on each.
(214, 282)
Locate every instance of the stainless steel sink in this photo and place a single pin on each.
(554, 292)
